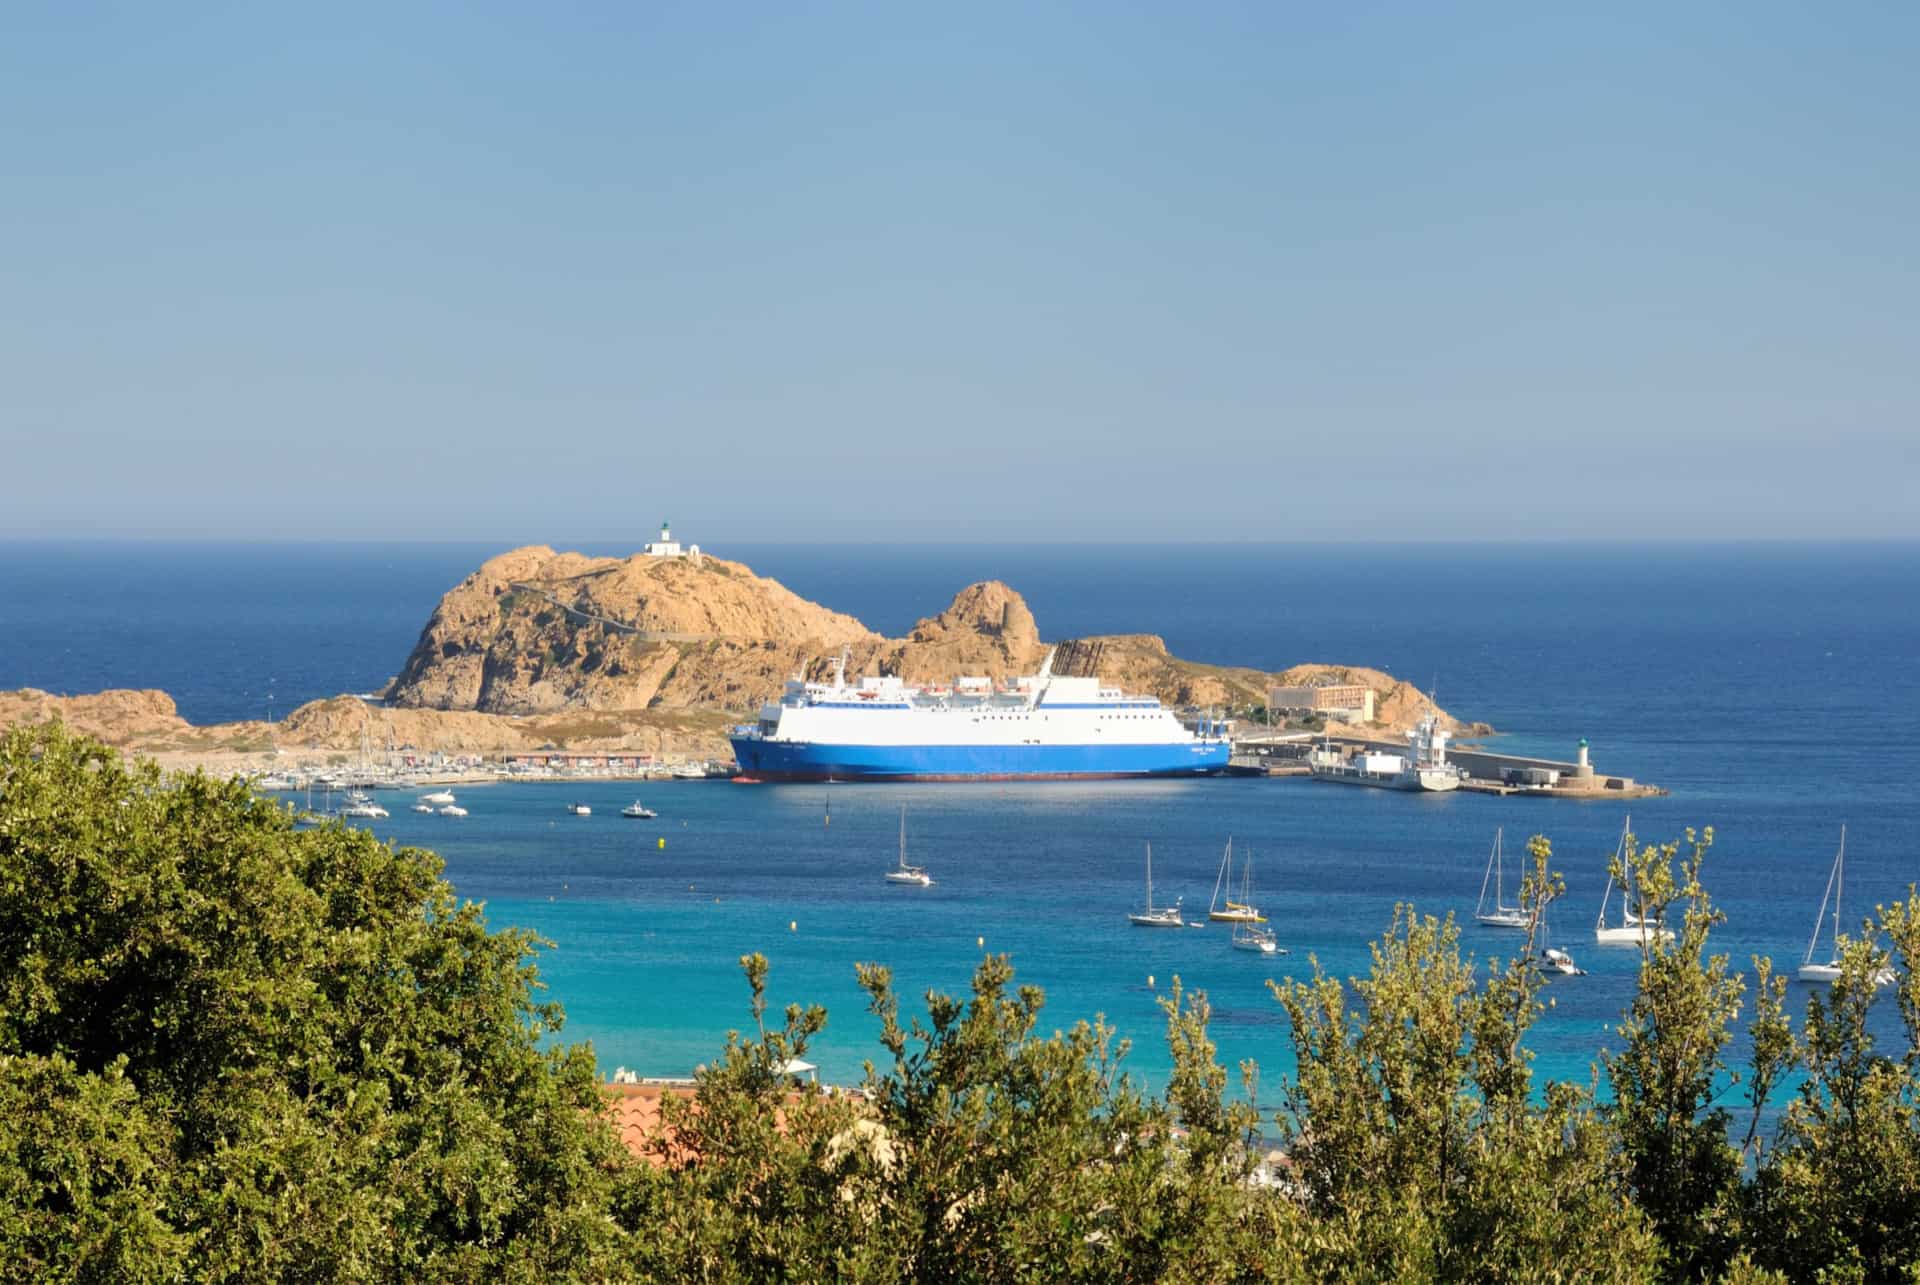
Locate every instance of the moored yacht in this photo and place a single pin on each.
(902, 872)
(1150, 915)
(1830, 971)
(1632, 930)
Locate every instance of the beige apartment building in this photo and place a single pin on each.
(1349, 704)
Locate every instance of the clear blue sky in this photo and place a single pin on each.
(527, 272)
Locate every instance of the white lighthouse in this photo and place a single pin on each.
(667, 547)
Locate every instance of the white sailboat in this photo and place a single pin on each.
(1632, 930)
(1231, 912)
(1827, 972)
(1501, 915)
(1250, 935)
(904, 873)
(1156, 916)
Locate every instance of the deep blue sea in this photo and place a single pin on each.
(1773, 689)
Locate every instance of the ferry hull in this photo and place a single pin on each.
(763, 760)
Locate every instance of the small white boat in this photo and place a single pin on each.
(424, 807)
(1500, 914)
(359, 805)
(1558, 962)
(1234, 912)
(1552, 961)
(1153, 916)
(580, 809)
(453, 810)
(690, 772)
(1830, 971)
(438, 799)
(1632, 929)
(904, 873)
(638, 812)
(1256, 938)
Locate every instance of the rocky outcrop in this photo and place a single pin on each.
(117, 716)
(534, 631)
(338, 724)
(541, 649)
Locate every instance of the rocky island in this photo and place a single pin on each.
(544, 649)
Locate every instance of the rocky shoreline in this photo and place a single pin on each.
(538, 650)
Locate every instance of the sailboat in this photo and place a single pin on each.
(1231, 911)
(1501, 915)
(1827, 972)
(904, 873)
(1153, 916)
(1247, 935)
(1632, 930)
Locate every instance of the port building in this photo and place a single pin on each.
(1348, 702)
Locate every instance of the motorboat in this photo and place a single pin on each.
(1559, 962)
(1830, 971)
(438, 799)
(580, 809)
(1499, 914)
(1152, 916)
(453, 810)
(638, 811)
(423, 807)
(361, 805)
(902, 872)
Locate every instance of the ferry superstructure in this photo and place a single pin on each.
(1423, 767)
(1042, 727)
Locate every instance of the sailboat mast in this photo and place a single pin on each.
(1149, 878)
(1820, 915)
(903, 838)
(1226, 863)
(1839, 886)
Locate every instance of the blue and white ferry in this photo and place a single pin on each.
(1043, 727)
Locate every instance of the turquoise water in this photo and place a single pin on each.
(1774, 689)
(648, 938)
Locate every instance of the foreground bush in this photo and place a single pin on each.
(229, 1051)
(234, 1051)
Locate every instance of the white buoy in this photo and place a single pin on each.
(1150, 985)
(793, 925)
(981, 942)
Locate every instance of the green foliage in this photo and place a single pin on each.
(1667, 1077)
(1840, 1190)
(261, 1053)
(1414, 1134)
(234, 1051)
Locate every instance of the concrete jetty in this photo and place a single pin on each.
(1488, 772)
